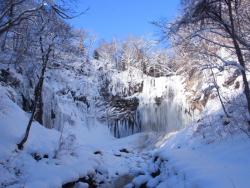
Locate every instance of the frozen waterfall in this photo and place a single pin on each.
(163, 107)
(162, 104)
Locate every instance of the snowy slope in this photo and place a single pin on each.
(94, 152)
(211, 152)
(223, 163)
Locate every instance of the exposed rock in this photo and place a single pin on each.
(158, 100)
(237, 85)
(135, 88)
(122, 181)
(46, 156)
(82, 99)
(231, 79)
(7, 77)
(158, 71)
(124, 104)
(124, 150)
(98, 153)
(53, 115)
(26, 104)
(156, 173)
(36, 156)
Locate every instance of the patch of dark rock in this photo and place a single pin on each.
(52, 114)
(98, 153)
(140, 88)
(124, 150)
(8, 78)
(230, 81)
(98, 172)
(12, 184)
(157, 72)
(124, 114)
(140, 173)
(156, 173)
(17, 171)
(121, 103)
(63, 91)
(56, 65)
(158, 100)
(237, 85)
(26, 105)
(90, 181)
(118, 155)
(39, 157)
(36, 156)
(46, 156)
(170, 93)
(135, 89)
(226, 122)
(70, 184)
(73, 93)
(4, 74)
(104, 92)
(82, 99)
(156, 158)
(144, 185)
(30, 83)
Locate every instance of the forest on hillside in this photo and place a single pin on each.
(77, 111)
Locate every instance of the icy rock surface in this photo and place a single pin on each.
(162, 103)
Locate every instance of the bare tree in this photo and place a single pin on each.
(52, 32)
(206, 20)
(38, 89)
(14, 12)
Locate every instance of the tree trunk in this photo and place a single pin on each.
(37, 93)
(39, 112)
(239, 56)
(218, 91)
(4, 41)
(20, 145)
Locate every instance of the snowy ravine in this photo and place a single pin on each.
(75, 147)
(162, 104)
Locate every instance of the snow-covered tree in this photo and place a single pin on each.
(50, 36)
(221, 23)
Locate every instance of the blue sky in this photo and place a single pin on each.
(122, 18)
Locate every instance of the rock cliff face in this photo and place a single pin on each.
(127, 102)
(138, 102)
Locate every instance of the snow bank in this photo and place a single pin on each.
(191, 163)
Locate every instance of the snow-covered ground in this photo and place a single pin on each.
(190, 163)
(211, 152)
(97, 153)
